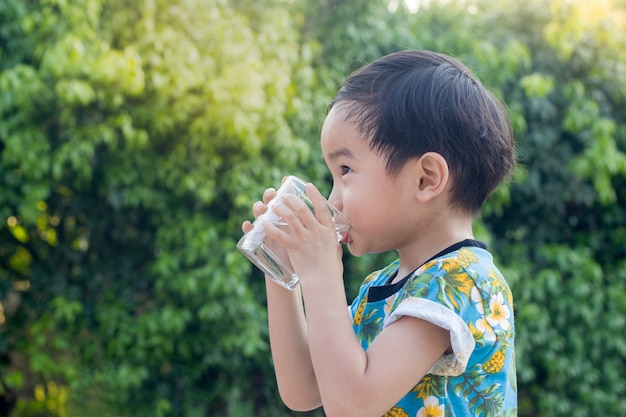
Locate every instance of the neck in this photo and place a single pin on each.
(438, 233)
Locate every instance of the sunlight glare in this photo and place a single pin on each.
(412, 6)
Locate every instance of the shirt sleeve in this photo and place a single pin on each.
(461, 338)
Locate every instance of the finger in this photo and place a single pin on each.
(322, 213)
(278, 235)
(268, 195)
(294, 209)
(246, 226)
(258, 208)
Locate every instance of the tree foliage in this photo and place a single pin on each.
(134, 137)
(563, 233)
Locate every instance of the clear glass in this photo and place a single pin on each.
(268, 255)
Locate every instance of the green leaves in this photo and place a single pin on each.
(135, 136)
(537, 85)
(130, 142)
(566, 319)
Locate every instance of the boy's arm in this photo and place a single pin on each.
(354, 382)
(290, 351)
(288, 336)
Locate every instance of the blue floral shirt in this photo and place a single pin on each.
(463, 292)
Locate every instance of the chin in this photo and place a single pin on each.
(354, 251)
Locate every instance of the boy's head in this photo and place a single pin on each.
(412, 102)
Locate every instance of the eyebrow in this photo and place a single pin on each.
(338, 153)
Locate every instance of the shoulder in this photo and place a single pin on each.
(467, 266)
(465, 281)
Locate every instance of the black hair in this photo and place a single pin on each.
(412, 102)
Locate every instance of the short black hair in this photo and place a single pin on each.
(412, 102)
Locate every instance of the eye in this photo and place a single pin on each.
(345, 170)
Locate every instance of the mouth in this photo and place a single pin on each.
(346, 239)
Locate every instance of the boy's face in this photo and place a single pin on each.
(380, 208)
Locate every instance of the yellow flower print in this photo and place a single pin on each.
(428, 265)
(358, 316)
(396, 412)
(431, 408)
(370, 277)
(477, 334)
(451, 265)
(466, 257)
(493, 275)
(427, 387)
(499, 312)
(495, 280)
(458, 282)
(495, 363)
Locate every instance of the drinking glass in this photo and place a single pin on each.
(267, 254)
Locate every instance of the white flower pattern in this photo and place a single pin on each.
(500, 312)
(431, 408)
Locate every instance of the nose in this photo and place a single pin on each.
(335, 198)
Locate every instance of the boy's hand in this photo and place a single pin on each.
(259, 208)
(311, 239)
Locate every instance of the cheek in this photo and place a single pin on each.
(379, 210)
(364, 211)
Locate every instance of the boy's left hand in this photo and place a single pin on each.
(310, 239)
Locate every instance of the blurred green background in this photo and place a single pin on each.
(136, 134)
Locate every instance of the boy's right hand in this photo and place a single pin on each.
(259, 208)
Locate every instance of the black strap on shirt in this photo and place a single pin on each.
(378, 293)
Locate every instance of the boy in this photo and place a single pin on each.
(415, 145)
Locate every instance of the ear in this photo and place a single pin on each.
(432, 176)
